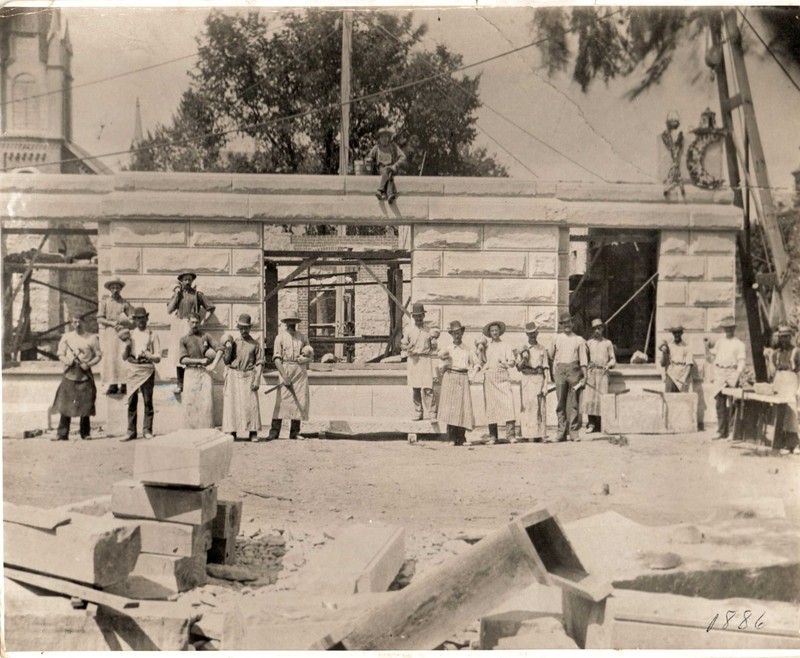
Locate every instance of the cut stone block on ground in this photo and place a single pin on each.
(540, 633)
(177, 539)
(647, 414)
(162, 576)
(228, 518)
(189, 458)
(642, 620)
(225, 624)
(35, 621)
(93, 550)
(362, 558)
(130, 499)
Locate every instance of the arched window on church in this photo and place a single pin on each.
(26, 112)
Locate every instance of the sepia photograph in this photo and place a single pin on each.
(399, 328)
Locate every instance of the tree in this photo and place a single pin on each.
(278, 89)
(612, 42)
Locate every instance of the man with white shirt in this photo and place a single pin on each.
(141, 351)
(728, 356)
(416, 344)
(677, 361)
(569, 367)
(455, 403)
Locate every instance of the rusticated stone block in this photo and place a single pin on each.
(543, 316)
(715, 315)
(253, 311)
(248, 261)
(131, 499)
(187, 458)
(521, 237)
(484, 264)
(720, 268)
(674, 242)
(692, 319)
(447, 237)
(681, 267)
(672, 293)
(541, 265)
(120, 260)
(224, 234)
(175, 261)
(446, 291)
(711, 294)
(216, 288)
(426, 263)
(525, 291)
(719, 217)
(712, 242)
(474, 318)
(149, 233)
(494, 210)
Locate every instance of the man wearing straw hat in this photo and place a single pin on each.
(113, 313)
(786, 363)
(186, 300)
(676, 359)
(728, 356)
(455, 402)
(416, 343)
(569, 365)
(601, 360)
(141, 351)
(244, 364)
(291, 353)
(387, 157)
(496, 358)
(532, 362)
(199, 354)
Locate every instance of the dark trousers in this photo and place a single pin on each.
(180, 376)
(424, 400)
(387, 185)
(510, 428)
(457, 434)
(275, 429)
(568, 409)
(670, 387)
(133, 405)
(723, 414)
(64, 423)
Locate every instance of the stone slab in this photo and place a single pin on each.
(93, 550)
(443, 236)
(707, 293)
(446, 291)
(189, 458)
(533, 238)
(224, 234)
(173, 261)
(674, 242)
(526, 291)
(720, 268)
(218, 288)
(248, 261)
(645, 414)
(672, 293)
(162, 576)
(426, 263)
(120, 260)
(177, 539)
(713, 242)
(131, 499)
(148, 233)
(681, 267)
(36, 620)
(510, 264)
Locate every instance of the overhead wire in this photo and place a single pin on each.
(330, 106)
(769, 50)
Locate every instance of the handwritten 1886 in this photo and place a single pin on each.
(730, 621)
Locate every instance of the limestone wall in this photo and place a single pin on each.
(476, 273)
(148, 256)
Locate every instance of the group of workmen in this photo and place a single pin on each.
(439, 378)
(129, 350)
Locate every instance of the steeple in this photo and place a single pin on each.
(137, 125)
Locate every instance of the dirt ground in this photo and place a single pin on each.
(430, 485)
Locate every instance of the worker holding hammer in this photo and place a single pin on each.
(291, 354)
(532, 362)
(728, 356)
(601, 360)
(676, 359)
(569, 363)
(244, 362)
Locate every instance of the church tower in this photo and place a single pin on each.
(36, 94)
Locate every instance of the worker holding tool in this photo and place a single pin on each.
(455, 405)
(244, 364)
(416, 344)
(532, 362)
(199, 354)
(601, 360)
(676, 359)
(496, 358)
(786, 362)
(78, 351)
(728, 356)
(569, 364)
(142, 350)
(291, 354)
(113, 313)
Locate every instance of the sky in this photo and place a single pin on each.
(600, 130)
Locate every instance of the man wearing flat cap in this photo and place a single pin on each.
(601, 360)
(244, 363)
(569, 363)
(728, 356)
(113, 314)
(677, 361)
(186, 301)
(141, 351)
(291, 353)
(416, 345)
(455, 402)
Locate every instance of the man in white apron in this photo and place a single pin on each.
(455, 403)
(533, 364)
(786, 363)
(244, 363)
(141, 351)
(186, 300)
(291, 353)
(677, 361)
(496, 358)
(112, 314)
(199, 354)
(728, 356)
(601, 360)
(416, 344)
